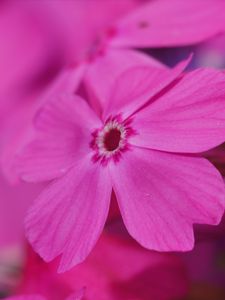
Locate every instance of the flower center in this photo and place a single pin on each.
(111, 140)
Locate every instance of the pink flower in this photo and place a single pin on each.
(170, 23)
(117, 269)
(104, 45)
(39, 297)
(160, 23)
(30, 297)
(142, 147)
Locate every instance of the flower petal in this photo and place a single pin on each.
(68, 217)
(77, 295)
(109, 66)
(137, 85)
(26, 297)
(161, 195)
(147, 275)
(14, 203)
(64, 129)
(17, 130)
(171, 23)
(189, 117)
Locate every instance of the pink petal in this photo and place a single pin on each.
(14, 203)
(79, 24)
(70, 214)
(161, 195)
(134, 87)
(171, 23)
(119, 269)
(187, 118)
(109, 66)
(64, 129)
(26, 297)
(17, 121)
(77, 295)
(26, 49)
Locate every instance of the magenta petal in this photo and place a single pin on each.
(14, 203)
(109, 66)
(18, 128)
(68, 217)
(171, 23)
(26, 297)
(161, 195)
(137, 85)
(63, 135)
(190, 117)
(77, 295)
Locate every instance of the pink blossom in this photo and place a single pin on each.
(104, 45)
(29, 57)
(39, 297)
(170, 23)
(126, 271)
(30, 297)
(143, 146)
(38, 40)
(117, 269)
(131, 23)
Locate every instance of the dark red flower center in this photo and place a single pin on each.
(112, 139)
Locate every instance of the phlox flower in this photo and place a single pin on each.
(39, 297)
(30, 297)
(36, 41)
(30, 55)
(117, 269)
(143, 146)
(103, 47)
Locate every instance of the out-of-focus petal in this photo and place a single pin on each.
(127, 271)
(77, 296)
(27, 297)
(14, 203)
(16, 127)
(163, 23)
